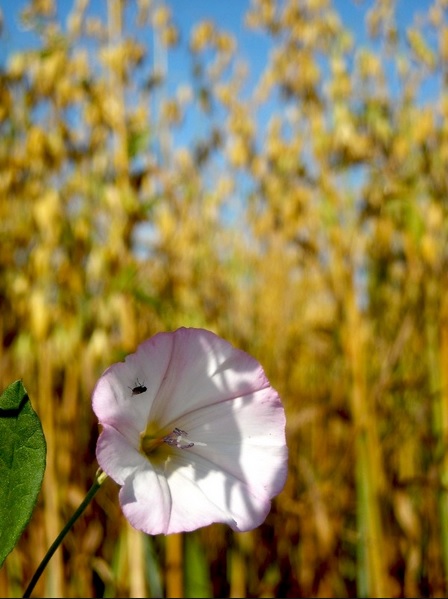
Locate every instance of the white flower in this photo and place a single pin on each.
(193, 432)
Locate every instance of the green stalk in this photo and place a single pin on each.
(437, 350)
(371, 565)
(99, 479)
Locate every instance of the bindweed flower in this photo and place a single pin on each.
(193, 432)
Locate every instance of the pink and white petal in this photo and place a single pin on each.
(114, 401)
(258, 416)
(204, 369)
(146, 501)
(156, 505)
(240, 435)
(202, 495)
(112, 404)
(116, 456)
(262, 470)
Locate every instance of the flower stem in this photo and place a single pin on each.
(100, 477)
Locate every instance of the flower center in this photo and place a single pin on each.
(157, 447)
(150, 444)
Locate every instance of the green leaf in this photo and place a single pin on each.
(22, 464)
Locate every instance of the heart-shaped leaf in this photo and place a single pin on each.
(22, 464)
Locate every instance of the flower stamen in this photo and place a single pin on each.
(177, 439)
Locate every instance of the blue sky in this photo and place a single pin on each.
(253, 46)
(228, 14)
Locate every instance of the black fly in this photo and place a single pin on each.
(139, 388)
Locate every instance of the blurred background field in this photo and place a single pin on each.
(299, 210)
